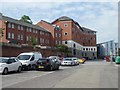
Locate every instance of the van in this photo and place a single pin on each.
(29, 59)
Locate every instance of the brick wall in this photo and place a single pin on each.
(12, 51)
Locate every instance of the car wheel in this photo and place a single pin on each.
(19, 69)
(58, 68)
(5, 72)
(28, 67)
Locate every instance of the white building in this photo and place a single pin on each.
(109, 48)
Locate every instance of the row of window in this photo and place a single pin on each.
(19, 27)
(89, 49)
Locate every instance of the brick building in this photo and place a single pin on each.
(80, 40)
(55, 30)
(64, 30)
(19, 32)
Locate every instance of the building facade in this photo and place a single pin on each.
(109, 48)
(55, 30)
(19, 32)
(80, 40)
(64, 30)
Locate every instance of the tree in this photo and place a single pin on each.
(63, 48)
(1, 33)
(26, 18)
(33, 42)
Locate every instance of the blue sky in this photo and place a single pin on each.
(99, 16)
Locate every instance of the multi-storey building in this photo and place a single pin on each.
(109, 48)
(55, 30)
(16, 31)
(64, 30)
(80, 40)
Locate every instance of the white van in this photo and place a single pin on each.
(28, 59)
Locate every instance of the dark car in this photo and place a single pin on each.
(47, 64)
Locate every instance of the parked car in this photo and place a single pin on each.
(68, 61)
(55, 58)
(9, 64)
(76, 60)
(82, 60)
(47, 64)
(29, 59)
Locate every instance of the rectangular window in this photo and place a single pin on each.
(9, 35)
(36, 31)
(18, 37)
(9, 25)
(21, 37)
(21, 27)
(27, 38)
(27, 29)
(13, 26)
(56, 34)
(12, 35)
(30, 30)
(18, 27)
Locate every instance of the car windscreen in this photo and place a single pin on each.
(24, 57)
(67, 59)
(2, 60)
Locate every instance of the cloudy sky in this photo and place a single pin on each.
(99, 16)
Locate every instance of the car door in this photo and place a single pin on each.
(11, 64)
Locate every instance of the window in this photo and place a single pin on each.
(27, 29)
(65, 42)
(18, 37)
(56, 34)
(56, 41)
(91, 49)
(9, 25)
(30, 30)
(21, 37)
(27, 38)
(86, 49)
(9, 35)
(59, 35)
(18, 27)
(12, 35)
(36, 31)
(65, 25)
(13, 26)
(65, 34)
(59, 42)
(21, 27)
(36, 40)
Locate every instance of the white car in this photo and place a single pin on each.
(9, 64)
(76, 60)
(68, 61)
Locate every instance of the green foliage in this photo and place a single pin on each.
(26, 18)
(63, 48)
(1, 32)
(33, 41)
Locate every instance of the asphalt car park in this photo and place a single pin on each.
(13, 78)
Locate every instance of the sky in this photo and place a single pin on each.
(100, 16)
